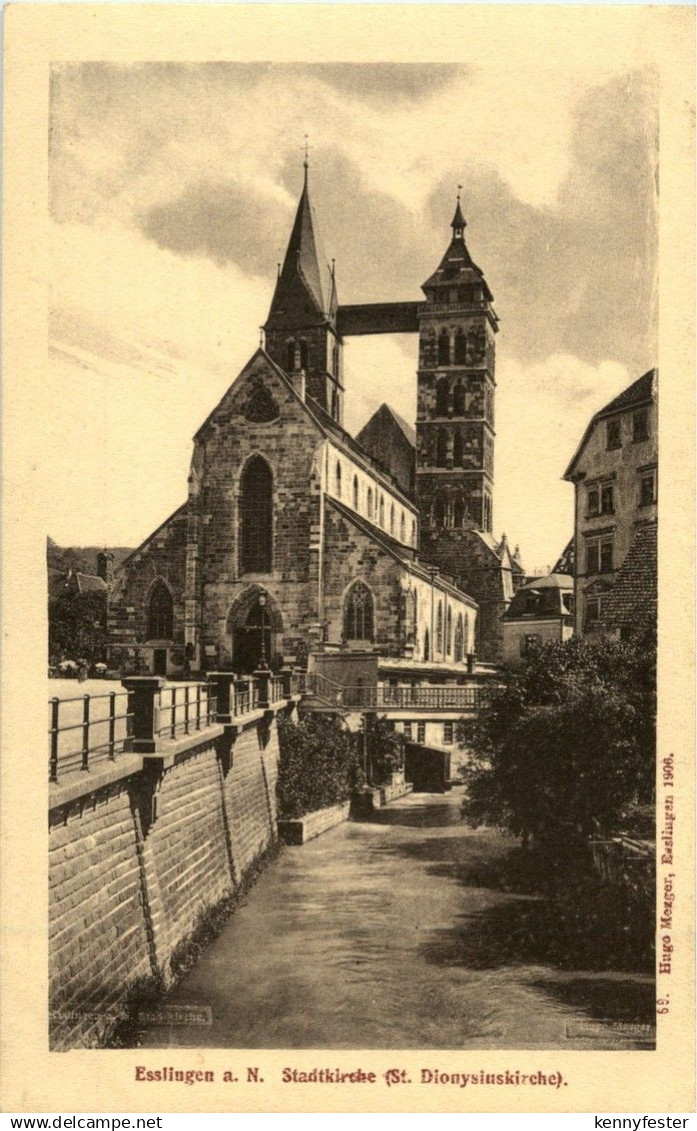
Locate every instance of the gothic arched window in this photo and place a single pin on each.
(441, 448)
(256, 517)
(439, 510)
(458, 511)
(303, 354)
(458, 397)
(442, 396)
(402, 529)
(466, 642)
(358, 613)
(392, 518)
(427, 646)
(160, 613)
(458, 448)
(290, 355)
(459, 643)
(338, 479)
(413, 531)
(444, 348)
(382, 510)
(355, 491)
(369, 502)
(448, 631)
(460, 347)
(439, 627)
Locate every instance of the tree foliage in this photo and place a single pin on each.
(319, 765)
(77, 626)
(384, 747)
(566, 748)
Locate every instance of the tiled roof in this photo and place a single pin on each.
(641, 390)
(542, 598)
(633, 599)
(89, 583)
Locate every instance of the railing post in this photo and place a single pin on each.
(145, 696)
(263, 677)
(287, 678)
(86, 733)
(112, 725)
(186, 708)
(53, 764)
(198, 705)
(223, 684)
(173, 714)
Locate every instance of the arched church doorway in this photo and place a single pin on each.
(254, 626)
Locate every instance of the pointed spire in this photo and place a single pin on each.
(304, 287)
(458, 223)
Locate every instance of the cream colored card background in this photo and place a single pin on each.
(35, 36)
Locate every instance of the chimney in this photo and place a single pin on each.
(105, 566)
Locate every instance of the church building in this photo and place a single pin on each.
(296, 537)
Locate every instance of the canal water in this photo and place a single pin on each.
(399, 932)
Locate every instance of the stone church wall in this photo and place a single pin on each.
(290, 445)
(349, 555)
(162, 556)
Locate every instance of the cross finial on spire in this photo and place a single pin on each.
(306, 158)
(458, 222)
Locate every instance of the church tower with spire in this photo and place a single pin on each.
(455, 397)
(301, 333)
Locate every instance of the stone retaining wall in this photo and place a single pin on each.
(135, 862)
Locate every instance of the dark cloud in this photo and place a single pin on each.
(384, 82)
(219, 220)
(578, 277)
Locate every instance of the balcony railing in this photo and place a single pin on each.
(453, 697)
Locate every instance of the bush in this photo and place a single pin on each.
(384, 747)
(566, 749)
(318, 766)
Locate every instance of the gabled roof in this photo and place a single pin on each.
(633, 599)
(565, 564)
(390, 441)
(305, 286)
(90, 583)
(408, 431)
(640, 392)
(325, 423)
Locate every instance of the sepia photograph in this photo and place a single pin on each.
(351, 643)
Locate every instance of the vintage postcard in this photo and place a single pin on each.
(348, 731)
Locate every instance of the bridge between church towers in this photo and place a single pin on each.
(378, 318)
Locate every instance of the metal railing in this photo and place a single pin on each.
(244, 696)
(454, 697)
(185, 708)
(83, 735)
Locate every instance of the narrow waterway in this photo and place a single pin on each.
(401, 932)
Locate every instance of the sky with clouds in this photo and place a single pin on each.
(172, 193)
